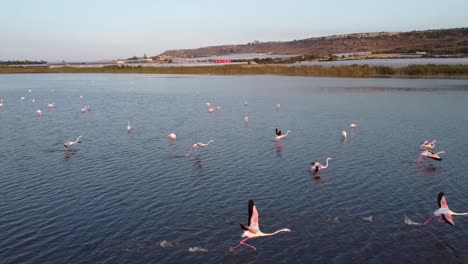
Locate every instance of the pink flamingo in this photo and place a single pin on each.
(428, 144)
(129, 127)
(317, 166)
(280, 135)
(198, 145)
(253, 230)
(444, 213)
(430, 154)
(71, 143)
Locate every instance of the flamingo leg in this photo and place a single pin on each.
(441, 219)
(428, 220)
(243, 243)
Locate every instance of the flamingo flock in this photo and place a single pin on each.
(252, 229)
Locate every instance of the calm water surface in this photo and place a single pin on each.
(136, 198)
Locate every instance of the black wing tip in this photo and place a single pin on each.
(251, 202)
(439, 198)
(243, 227)
(445, 219)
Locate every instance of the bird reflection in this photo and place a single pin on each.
(70, 153)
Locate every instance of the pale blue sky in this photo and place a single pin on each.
(108, 29)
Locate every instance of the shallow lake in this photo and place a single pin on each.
(134, 197)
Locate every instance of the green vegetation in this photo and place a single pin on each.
(459, 71)
(23, 62)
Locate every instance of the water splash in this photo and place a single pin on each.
(197, 249)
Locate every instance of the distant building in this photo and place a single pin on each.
(223, 61)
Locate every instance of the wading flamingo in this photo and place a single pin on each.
(1, 102)
(245, 103)
(253, 230)
(71, 143)
(208, 104)
(39, 112)
(129, 127)
(428, 144)
(430, 154)
(33, 101)
(198, 145)
(246, 119)
(352, 125)
(210, 110)
(172, 136)
(317, 166)
(344, 135)
(51, 105)
(278, 106)
(22, 98)
(279, 134)
(81, 98)
(444, 213)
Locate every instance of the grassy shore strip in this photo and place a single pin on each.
(459, 71)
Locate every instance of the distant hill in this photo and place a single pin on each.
(440, 41)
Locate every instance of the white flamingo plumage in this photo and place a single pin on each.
(172, 136)
(246, 119)
(444, 213)
(129, 127)
(352, 125)
(39, 112)
(252, 230)
(344, 135)
(316, 167)
(280, 135)
(71, 143)
(198, 145)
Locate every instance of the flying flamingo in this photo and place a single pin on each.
(352, 125)
(344, 135)
(253, 230)
(428, 144)
(279, 134)
(430, 154)
(129, 127)
(198, 145)
(444, 213)
(71, 143)
(317, 166)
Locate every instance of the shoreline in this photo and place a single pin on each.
(354, 71)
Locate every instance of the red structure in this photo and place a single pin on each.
(223, 61)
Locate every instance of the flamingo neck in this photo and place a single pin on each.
(326, 164)
(453, 213)
(276, 232)
(77, 139)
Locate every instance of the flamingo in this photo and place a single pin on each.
(279, 134)
(208, 104)
(39, 112)
(245, 103)
(22, 98)
(218, 107)
(428, 144)
(430, 154)
(198, 145)
(352, 125)
(317, 166)
(172, 136)
(29, 91)
(253, 230)
(33, 101)
(344, 135)
(81, 98)
(246, 119)
(71, 143)
(51, 105)
(210, 110)
(444, 213)
(85, 109)
(1, 102)
(278, 107)
(129, 127)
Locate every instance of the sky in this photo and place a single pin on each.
(89, 30)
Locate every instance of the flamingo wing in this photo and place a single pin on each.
(448, 219)
(253, 215)
(441, 200)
